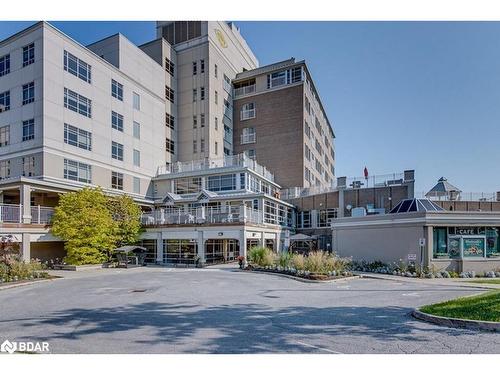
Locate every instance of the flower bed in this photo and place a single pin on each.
(13, 271)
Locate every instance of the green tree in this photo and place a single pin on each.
(127, 216)
(83, 220)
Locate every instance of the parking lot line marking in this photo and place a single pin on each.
(317, 347)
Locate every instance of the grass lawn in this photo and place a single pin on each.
(481, 307)
(492, 281)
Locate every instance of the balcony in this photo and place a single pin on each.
(240, 160)
(13, 213)
(248, 138)
(242, 91)
(201, 215)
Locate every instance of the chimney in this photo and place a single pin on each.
(498, 196)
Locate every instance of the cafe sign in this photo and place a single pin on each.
(466, 231)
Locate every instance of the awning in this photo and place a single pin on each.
(130, 248)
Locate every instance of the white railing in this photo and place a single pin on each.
(13, 213)
(201, 215)
(245, 90)
(240, 160)
(460, 196)
(247, 114)
(248, 138)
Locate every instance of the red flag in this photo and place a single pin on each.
(366, 172)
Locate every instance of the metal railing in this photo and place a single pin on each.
(462, 196)
(245, 90)
(13, 213)
(201, 215)
(240, 160)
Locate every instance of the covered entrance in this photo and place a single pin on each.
(221, 250)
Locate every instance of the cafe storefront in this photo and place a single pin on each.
(466, 242)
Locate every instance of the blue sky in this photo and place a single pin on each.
(400, 95)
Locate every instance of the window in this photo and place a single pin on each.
(250, 154)
(136, 101)
(137, 130)
(77, 103)
(276, 79)
(169, 146)
(202, 66)
(202, 93)
(169, 66)
(195, 146)
(169, 94)
(440, 242)
(195, 121)
(248, 136)
(325, 217)
(169, 121)
(307, 105)
(308, 152)
(216, 123)
(137, 185)
(117, 180)
(202, 120)
(296, 74)
(77, 137)
(117, 151)
(28, 130)
(29, 54)
(4, 135)
(137, 158)
(195, 67)
(28, 93)
(116, 90)
(29, 166)
(216, 148)
(187, 185)
(202, 145)
(247, 111)
(195, 95)
(77, 67)
(222, 182)
(227, 84)
(4, 101)
(77, 171)
(216, 96)
(4, 169)
(307, 174)
(4, 65)
(216, 72)
(116, 121)
(307, 129)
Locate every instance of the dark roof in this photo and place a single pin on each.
(415, 205)
(443, 187)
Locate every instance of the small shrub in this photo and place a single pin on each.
(4, 271)
(298, 262)
(315, 262)
(285, 259)
(261, 256)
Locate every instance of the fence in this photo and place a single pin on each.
(13, 213)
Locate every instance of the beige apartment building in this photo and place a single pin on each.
(280, 122)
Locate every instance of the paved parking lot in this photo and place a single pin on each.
(222, 310)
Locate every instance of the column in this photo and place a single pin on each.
(429, 245)
(262, 239)
(314, 218)
(243, 246)
(201, 247)
(26, 247)
(25, 200)
(159, 248)
(340, 212)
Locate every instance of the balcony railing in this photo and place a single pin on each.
(13, 213)
(460, 196)
(240, 160)
(248, 138)
(245, 90)
(201, 215)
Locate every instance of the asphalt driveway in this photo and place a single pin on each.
(161, 310)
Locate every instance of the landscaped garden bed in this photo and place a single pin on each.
(318, 265)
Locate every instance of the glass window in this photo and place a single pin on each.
(202, 145)
(28, 129)
(202, 66)
(4, 135)
(169, 94)
(136, 101)
(221, 182)
(29, 166)
(137, 158)
(247, 111)
(29, 54)
(77, 103)
(169, 121)
(137, 185)
(4, 169)
(440, 242)
(325, 217)
(492, 242)
(169, 66)
(28, 93)
(116, 121)
(117, 180)
(77, 137)
(276, 79)
(137, 130)
(216, 72)
(169, 147)
(116, 90)
(4, 65)
(195, 146)
(77, 171)
(187, 185)
(77, 67)
(202, 120)
(195, 121)
(117, 151)
(202, 93)
(195, 67)
(4, 101)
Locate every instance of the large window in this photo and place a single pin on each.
(28, 130)
(4, 135)
(169, 66)
(195, 67)
(227, 84)
(77, 103)
(247, 111)
(29, 54)
(117, 180)
(202, 93)
(248, 136)
(77, 137)
(169, 121)
(187, 185)
(4, 101)
(116, 90)
(77, 67)
(222, 182)
(136, 101)
(137, 185)
(4, 169)
(137, 158)
(276, 79)
(77, 171)
(116, 121)
(202, 66)
(169, 94)
(439, 243)
(28, 166)
(4, 65)
(137, 130)
(492, 242)
(180, 251)
(169, 146)
(117, 151)
(325, 217)
(28, 93)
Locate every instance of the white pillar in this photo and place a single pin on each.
(26, 247)
(159, 248)
(243, 246)
(25, 199)
(262, 239)
(201, 247)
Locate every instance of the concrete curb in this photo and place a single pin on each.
(457, 323)
(302, 279)
(10, 286)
